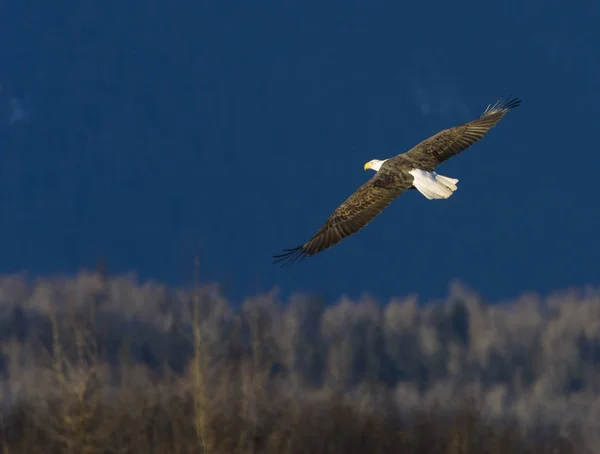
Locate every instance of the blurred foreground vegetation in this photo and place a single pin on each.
(96, 364)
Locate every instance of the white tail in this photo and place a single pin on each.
(432, 185)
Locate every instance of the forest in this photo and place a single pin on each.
(93, 363)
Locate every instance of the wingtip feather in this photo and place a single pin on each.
(289, 256)
(503, 105)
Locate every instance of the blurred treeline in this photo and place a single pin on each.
(92, 363)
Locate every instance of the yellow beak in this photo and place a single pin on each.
(367, 165)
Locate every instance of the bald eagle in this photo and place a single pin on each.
(411, 170)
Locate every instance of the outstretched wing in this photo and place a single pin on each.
(450, 142)
(352, 215)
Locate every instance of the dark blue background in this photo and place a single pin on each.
(150, 131)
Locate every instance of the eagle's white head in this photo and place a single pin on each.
(374, 164)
